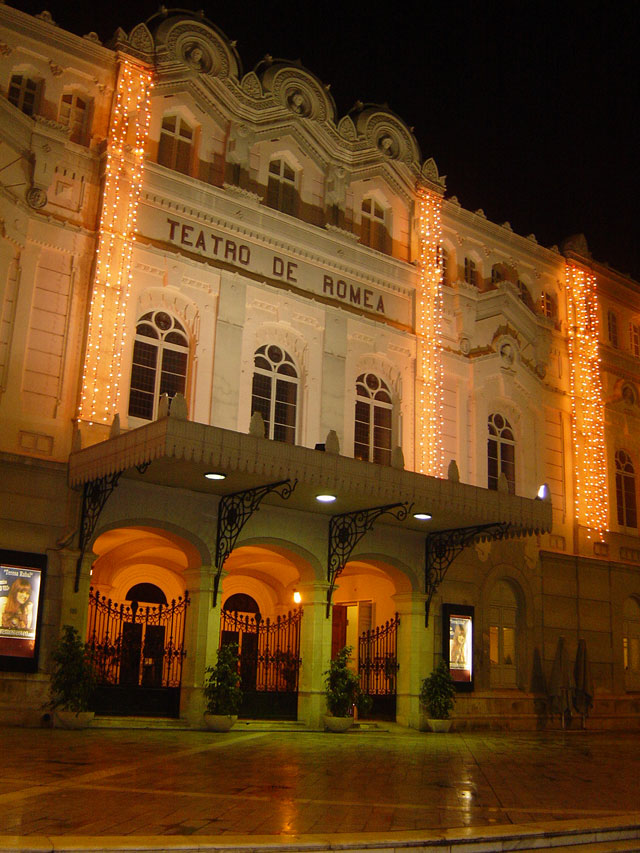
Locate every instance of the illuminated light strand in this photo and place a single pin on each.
(429, 381)
(106, 335)
(587, 407)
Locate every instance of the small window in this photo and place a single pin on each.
(501, 452)
(496, 274)
(373, 227)
(503, 636)
(525, 294)
(470, 272)
(373, 420)
(275, 392)
(176, 143)
(612, 328)
(547, 305)
(160, 360)
(281, 187)
(445, 263)
(626, 490)
(634, 331)
(23, 93)
(74, 114)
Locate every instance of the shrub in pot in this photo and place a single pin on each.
(342, 692)
(222, 691)
(437, 697)
(72, 680)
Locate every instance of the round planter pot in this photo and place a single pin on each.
(337, 724)
(72, 719)
(219, 722)
(439, 725)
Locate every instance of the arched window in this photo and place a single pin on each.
(501, 452)
(470, 272)
(503, 628)
(626, 490)
(373, 226)
(23, 93)
(281, 187)
(74, 114)
(160, 361)
(275, 392)
(176, 142)
(445, 262)
(374, 410)
(631, 643)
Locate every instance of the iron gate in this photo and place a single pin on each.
(137, 652)
(378, 667)
(269, 653)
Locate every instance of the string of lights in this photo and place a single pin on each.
(429, 390)
(128, 131)
(587, 408)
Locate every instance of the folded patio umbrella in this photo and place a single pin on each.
(561, 684)
(583, 697)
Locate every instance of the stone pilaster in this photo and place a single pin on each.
(74, 606)
(202, 636)
(415, 655)
(315, 652)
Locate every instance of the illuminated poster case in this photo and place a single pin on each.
(457, 643)
(21, 593)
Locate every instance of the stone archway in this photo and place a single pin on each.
(137, 618)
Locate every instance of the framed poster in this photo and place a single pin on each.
(457, 643)
(21, 588)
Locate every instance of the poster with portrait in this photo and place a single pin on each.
(458, 636)
(20, 588)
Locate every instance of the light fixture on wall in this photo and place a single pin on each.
(326, 499)
(215, 475)
(296, 596)
(543, 493)
(422, 516)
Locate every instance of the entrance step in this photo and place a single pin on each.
(269, 726)
(103, 721)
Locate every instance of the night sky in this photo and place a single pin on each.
(527, 107)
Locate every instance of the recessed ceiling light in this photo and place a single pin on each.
(422, 516)
(326, 499)
(215, 475)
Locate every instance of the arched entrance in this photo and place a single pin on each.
(364, 617)
(136, 621)
(262, 615)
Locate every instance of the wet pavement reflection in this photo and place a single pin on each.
(126, 782)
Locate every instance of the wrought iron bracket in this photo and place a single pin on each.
(442, 547)
(233, 513)
(95, 494)
(346, 530)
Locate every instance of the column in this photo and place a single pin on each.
(415, 655)
(201, 640)
(315, 652)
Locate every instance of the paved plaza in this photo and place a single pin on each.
(294, 784)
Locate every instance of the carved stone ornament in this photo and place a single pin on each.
(465, 346)
(56, 70)
(5, 50)
(46, 16)
(389, 145)
(36, 198)
(347, 129)
(299, 92)
(200, 48)
(197, 56)
(251, 85)
(141, 39)
(430, 172)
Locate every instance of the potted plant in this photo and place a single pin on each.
(342, 692)
(437, 697)
(72, 681)
(222, 691)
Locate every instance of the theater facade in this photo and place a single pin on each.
(262, 381)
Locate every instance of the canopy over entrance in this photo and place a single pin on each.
(178, 453)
